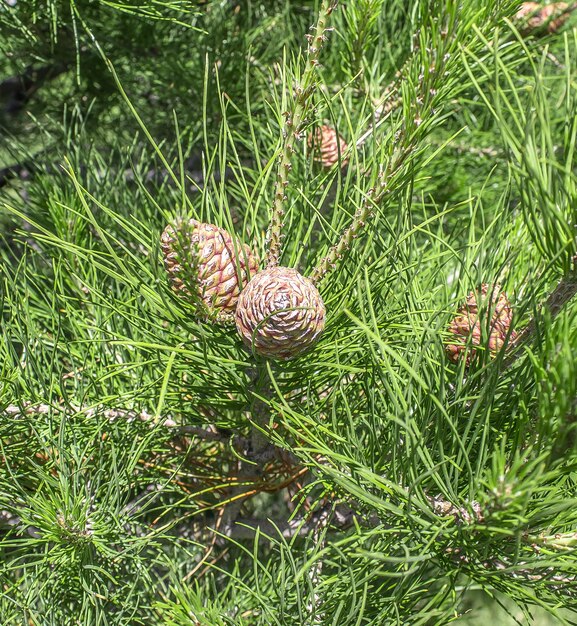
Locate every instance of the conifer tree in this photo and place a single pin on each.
(288, 320)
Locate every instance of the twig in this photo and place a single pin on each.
(256, 449)
(377, 194)
(292, 131)
(29, 408)
(362, 215)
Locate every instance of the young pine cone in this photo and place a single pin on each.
(205, 265)
(280, 314)
(534, 16)
(468, 324)
(325, 143)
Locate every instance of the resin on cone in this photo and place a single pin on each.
(325, 143)
(280, 314)
(468, 326)
(534, 16)
(205, 265)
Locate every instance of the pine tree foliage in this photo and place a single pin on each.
(153, 469)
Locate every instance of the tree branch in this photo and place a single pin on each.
(292, 127)
(28, 408)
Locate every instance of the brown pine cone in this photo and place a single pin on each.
(467, 323)
(280, 314)
(205, 265)
(550, 17)
(325, 143)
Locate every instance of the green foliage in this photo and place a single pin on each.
(131, 491)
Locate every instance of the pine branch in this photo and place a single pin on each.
(29, 408)
(364, 214)
(208, 434)
(402, 157)
(321, 493)
(292, 131)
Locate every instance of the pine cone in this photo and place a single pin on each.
(535, 16)
(468, 324)
(205, 265)
(280, 314)
(325, 144)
